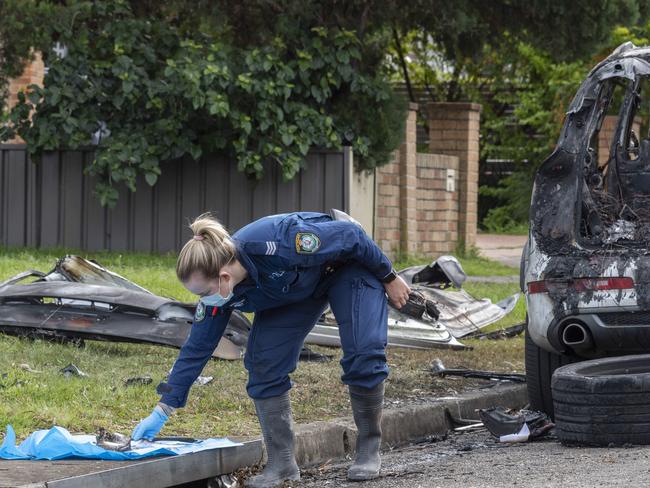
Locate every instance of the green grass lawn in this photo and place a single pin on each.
(36, 400)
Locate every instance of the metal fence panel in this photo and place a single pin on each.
(52, 204)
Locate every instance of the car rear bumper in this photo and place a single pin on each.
(610, 333)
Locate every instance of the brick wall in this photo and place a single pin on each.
(454, 130)
(33, 74)
(388, 232)
(437, 205)
(415, 210)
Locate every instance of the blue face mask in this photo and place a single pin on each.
(216, 300)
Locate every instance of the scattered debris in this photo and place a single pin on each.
(507, 333)
(509, 426)
(417, 305)
(26, 367)
(436, 316)
(138, 380)
(444, 272)
(307, 354)
(72, 370)
(113, 441)
(438, 368)
(224, 481)
(79, 299)
(203, 380)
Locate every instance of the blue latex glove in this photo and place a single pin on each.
(148, 428)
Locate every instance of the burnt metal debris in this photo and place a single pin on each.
(138, 381)
(439, 312)
(79, 299)
(513, 426)
(72, 370)
(439, 369)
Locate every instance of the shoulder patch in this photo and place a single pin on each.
(199, 315)
(307, 242)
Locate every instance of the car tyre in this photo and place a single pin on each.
(603, 401)
(540, 365)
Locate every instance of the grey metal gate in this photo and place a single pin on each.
(52, 204)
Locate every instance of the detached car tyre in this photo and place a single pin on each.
(603, 401)
(540, 365)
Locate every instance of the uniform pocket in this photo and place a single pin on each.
(369, 328)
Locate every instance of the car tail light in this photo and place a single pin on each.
(581, 284)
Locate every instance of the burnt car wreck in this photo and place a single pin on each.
(79, 299)
(585, 267)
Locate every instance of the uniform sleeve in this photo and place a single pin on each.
(316, 243)
(193, 356)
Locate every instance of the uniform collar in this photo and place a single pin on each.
(246, 261)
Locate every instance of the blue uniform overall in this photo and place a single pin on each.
(286, 257)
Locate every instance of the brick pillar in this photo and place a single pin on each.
(454, 130)
(408, 183)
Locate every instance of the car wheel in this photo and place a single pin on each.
(603, 401)
(540, 365)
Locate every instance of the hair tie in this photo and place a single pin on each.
(198, 237)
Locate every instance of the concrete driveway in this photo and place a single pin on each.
(505, 249)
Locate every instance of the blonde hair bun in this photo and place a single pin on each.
(210, 248)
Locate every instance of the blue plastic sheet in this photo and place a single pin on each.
(58, 443)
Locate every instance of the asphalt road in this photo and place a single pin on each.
(474, 459)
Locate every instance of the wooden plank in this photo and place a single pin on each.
(143, 228)
(217, 190)
(192, 185)
(50, 183)
(265, 193)
(288, 194)
(16, 202)
(119, 221)
(311, 184)
(240, 211)
(95, 234)
(33, 199)
(3, 197)
(165, 208)
(72, 198)
(334, 182)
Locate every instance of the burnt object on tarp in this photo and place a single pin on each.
(512, 426)
(113, 441)
(80, 299)
(439, 369)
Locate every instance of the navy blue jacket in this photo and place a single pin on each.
(285, 256)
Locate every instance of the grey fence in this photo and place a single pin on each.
(52, 204)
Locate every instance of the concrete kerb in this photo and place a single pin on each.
(319, 442)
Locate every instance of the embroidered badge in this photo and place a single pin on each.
(199, 315)
(276, 274)
(307, 243)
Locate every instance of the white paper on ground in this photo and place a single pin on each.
(521, 436)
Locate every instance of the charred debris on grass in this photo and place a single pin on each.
(79, 299)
